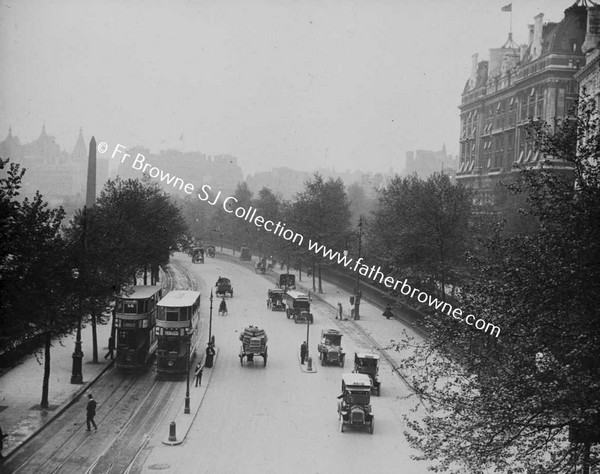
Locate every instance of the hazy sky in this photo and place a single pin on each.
(305, 83)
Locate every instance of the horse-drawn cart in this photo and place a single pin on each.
(254, 343)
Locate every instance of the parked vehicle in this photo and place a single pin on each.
(223, 287)
(366, 363)
(210, 251)
(354, 407)
(254, 343)
(275, 299)
(197, 255)
(245, 254)
(287, 281)
(330, 348)
(298, 306)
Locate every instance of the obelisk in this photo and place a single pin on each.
(90, 196)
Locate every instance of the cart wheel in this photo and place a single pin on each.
(372, 426)
(265, 360)
(341, 425)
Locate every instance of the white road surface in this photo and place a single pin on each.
(278, 418)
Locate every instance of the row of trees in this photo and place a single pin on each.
(528, 401)
(51, 275)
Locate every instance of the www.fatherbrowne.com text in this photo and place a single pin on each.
(205, 194)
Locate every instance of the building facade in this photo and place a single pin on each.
(58, 175)
(518, 83)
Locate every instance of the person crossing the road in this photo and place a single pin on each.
(91, 412)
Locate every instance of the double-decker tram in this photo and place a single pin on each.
(177, 330)
(135, 318)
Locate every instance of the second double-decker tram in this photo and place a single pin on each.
(177, 331)
(135, 317)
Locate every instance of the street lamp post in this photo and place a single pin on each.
(76, 373)
(210, 318)
(186, 410)
(358, 294)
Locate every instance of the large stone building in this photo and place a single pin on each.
(58, 175)
(534, 80)
(589, 75)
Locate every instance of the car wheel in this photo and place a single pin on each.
(265, 360)
(372, 426)
(242, 360)
(341, 425)
(342, 361)
(323, 361)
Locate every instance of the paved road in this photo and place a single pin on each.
(279, 418)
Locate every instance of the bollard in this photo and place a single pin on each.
(309, 363)
(173, 431)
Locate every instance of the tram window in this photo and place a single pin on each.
(169, 344)
(184, 314)
(130, 307)
(172, 314)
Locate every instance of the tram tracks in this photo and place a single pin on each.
(130, 408)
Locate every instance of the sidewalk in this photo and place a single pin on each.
(21, 386)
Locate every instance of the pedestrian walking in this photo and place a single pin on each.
(2, 436)
(111, 349)
(91, 412)
(198, 374)
(303, 351)
(339, 310)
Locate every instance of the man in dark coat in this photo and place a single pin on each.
(303, 350)
(91, 412)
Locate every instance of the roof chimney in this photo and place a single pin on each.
(536, 44)
(473, 79)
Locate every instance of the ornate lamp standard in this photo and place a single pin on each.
(357, 293)
(76, 373)
(186, 409)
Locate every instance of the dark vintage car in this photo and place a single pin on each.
(275, 299)
(287, 281)
(330, 348)
(210, 251)
(245, 254)
(197, 255)
(354, 407)
(367, 363)
(223, 287)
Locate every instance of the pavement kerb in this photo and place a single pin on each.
(186, 420)
(61, 409)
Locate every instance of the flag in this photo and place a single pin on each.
(507, 8)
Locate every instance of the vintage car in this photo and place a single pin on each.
(354, 406)
(298, 306)
(197, 255)
(287, 281)
(254, 343)
(223, 287)
(366, 363)
(210, 251)
(245, 254)
(330, 348)
(275, 299)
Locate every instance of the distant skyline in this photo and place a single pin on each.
(340, 84)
